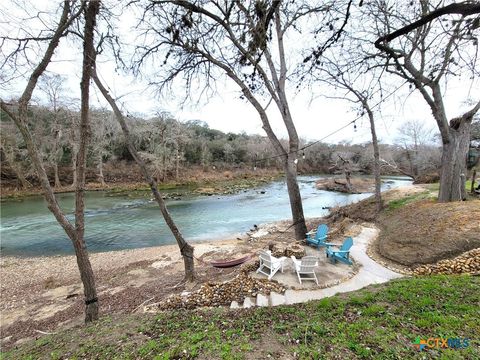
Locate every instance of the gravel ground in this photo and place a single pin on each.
(39, 294)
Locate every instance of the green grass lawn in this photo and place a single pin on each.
(468, 184)
(379, 322)
(397, 203)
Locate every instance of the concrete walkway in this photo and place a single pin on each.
(370, 273)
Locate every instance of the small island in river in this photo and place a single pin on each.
(357, 185)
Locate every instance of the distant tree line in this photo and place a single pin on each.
(171, 147)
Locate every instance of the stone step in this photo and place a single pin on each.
(248, 302)
(234, 305)
(277, 299)
(261, 300)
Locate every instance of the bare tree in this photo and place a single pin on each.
(104, 130)
(343, 162)
(179, 139)
(73, 137)
(244, 41)
(426, 51)
(417, 139)
(51, 85)
(12, 153)
(346, 69)
(86, 272)
(185, 248)
(20, 117)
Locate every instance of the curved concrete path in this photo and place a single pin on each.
(370, 272)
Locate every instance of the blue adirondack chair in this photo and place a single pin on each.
(342, 254)
(319, 238)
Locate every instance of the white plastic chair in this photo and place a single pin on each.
(305, 268)
(269, 265)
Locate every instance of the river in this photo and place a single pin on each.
(27, 228)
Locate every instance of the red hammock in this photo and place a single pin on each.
(229, 263)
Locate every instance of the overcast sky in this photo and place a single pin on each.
(314, 115)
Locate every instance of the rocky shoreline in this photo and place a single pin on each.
(220, 185)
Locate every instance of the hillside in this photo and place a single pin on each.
(415, 229)
(425, 231)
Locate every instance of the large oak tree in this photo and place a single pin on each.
(431, 44)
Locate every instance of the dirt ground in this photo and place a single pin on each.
(51, 295)
(425, 232)
(365, 210)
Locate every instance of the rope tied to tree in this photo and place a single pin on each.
(183, 251)
(91, 301)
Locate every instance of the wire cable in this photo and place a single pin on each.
(333, 132)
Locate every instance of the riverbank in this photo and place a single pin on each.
(195, 182)
(51, 295)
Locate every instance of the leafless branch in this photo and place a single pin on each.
(465, 8)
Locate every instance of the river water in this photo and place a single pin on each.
(27, 228)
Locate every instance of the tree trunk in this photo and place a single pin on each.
(74, 168)
(279, 80)
(101, 178)
(348, 176)
(185, 248)
(19, 174)
(57, 178)
(23, 181)
(454, 167)
(164, 162)
(86, 272)
(55, 150)
(410, 163)
(177, 163)
(88, 281)
(415, 161)
(9, 160)
(295, 197)
(376, 161)
(204, 158)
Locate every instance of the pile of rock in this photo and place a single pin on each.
(222, 294)
(295, 249)
(467, 263)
